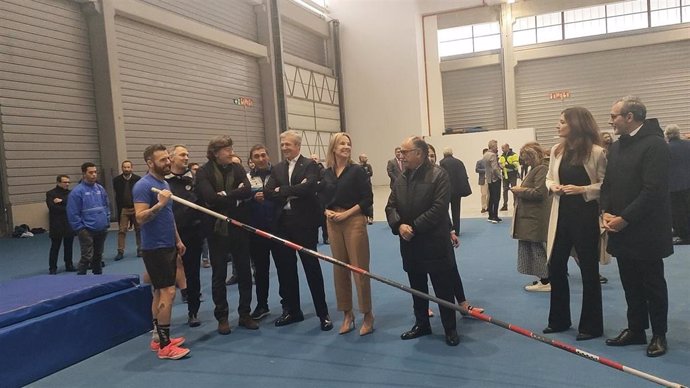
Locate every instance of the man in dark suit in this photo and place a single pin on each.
(417, 211)
(123, 185)
(459, 184)
(679, 184)
(637, 214)
(60, 231)
(395, 167)
(292, 186)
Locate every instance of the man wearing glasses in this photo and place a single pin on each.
(60, 231)
(417, 211)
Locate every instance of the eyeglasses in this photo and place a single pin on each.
(405, 152)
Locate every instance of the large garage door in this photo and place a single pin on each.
(474, 98)
(178, 90)
(658, 74)
(46, 95)
(304, 44)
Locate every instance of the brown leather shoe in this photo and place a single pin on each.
(246, 321)
(224, 327)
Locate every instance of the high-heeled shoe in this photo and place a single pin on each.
(348, 323)
(367, 324)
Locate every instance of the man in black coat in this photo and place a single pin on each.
(292, 187)
(60, 232)
(417, 211)
(188, 222)
(459, 184)
(679, 184)
(222, 186)
(637, 214)
(123, 184)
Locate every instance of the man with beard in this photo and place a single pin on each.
(222, 186)
(188, 221)
(160, 246)
(123, 184)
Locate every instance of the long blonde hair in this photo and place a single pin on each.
(335, 139)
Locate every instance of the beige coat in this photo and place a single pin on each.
(595, 166)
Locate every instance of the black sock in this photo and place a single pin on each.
(544, 281)
(164, 335)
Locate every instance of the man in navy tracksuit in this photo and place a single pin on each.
(88, 212)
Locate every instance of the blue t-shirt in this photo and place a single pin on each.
(159, 232)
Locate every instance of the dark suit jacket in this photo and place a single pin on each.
(119, 187)
(635, 187)
(57, 213)
(300, 189)
(393, 170)
(422, 202)
(459, 182)
(679, 173)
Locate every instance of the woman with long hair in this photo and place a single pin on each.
(348, 191)
(531, 220)
(576, 170)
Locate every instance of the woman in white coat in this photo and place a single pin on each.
(576, 170)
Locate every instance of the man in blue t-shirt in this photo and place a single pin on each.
(160, 246)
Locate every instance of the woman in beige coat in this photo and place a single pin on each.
(576, 170)
(531, 219)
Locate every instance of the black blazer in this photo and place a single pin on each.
(301, 189)
(57, 213)
(119, 188)
(459, 181)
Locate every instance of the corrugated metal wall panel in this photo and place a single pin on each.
(177, 90)
(474, 98)
(658, 74)
(302, 43)
(234, 16)
(46, 95)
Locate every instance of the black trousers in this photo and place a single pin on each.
(458, 289)
(579, 230)
(193, 241)
(236, 244)
(455, 206)
(260, 250)
(443, 288)
(494, 199)
(645, 293)
(286, 265)
(55, 243)
(680, 210)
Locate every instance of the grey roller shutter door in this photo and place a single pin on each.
(304, 44)
(474, 98)
(47, 101)
(658, 74)
(178, 90)
(234, 16)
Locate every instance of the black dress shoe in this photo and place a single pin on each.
(586, 336)
(326, 323)
(70, 268)
(289, 318)
(657, 346)
(549, 330)
(628, 337)
(452, 338)
(415, 332)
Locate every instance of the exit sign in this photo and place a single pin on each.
(559, 95)
(244, 101)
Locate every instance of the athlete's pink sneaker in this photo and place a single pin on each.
(156, 346)
(172, 352)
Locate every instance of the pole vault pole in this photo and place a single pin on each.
(441, 302)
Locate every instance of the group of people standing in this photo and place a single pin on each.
(588, 201)
(561, 206)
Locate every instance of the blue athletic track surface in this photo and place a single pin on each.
(300, 355)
